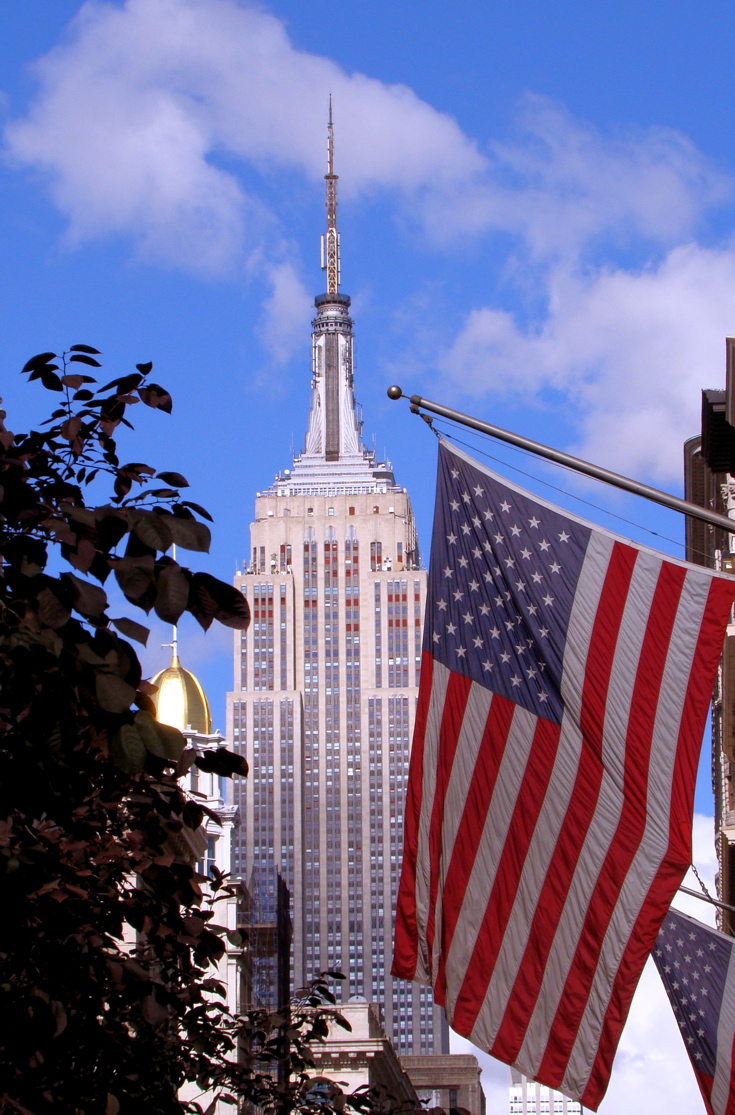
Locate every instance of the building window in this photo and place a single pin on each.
(209, 857)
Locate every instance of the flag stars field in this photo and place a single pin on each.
(483, 563)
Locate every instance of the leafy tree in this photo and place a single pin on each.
(92, 817)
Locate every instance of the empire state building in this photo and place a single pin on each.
(326, 681)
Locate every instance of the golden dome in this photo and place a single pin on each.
(180, 700)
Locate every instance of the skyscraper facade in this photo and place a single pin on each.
(326, 681)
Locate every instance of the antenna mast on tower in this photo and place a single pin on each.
(330, 242)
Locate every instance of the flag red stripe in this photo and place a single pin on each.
(631, 823)
(529, 802)
(582, 804)
(705, 1086)
(678, 857)
(479, 796)
(405, 954)
(694, 714)
(730, 1109)
(455, 702)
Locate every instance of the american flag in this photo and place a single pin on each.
(697, 966)
(565, 681)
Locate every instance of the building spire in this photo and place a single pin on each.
(330, 242)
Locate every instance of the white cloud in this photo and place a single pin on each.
(563, 186)
(286, 312)
(652, 1074)
(630, 351)
(140, 103)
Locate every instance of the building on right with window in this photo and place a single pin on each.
(709, 480)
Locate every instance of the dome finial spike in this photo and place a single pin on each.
(174, 644)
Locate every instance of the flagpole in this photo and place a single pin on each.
(576, 463)
(707, 898)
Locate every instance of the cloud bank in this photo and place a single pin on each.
(144, 102)
(166, 121)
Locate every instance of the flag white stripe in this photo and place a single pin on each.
(440, 681)
(606, 817)
(654, 844)
(533, 877)
(725, 1031)
(468, 746)
(510, 777)
(557, 799)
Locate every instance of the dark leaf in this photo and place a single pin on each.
(199, 510)
(134, 576)
(122, 486)
(172, 595)
(79, 514)
(221, 761)
(114, 694)
(160, 739)
(173, 478)
(211, 599)
(51, 611)
(144, 703)
(37, 361)
(192, 815)
(154, 530)
(51, 381)
(156, 397)
(85, 348)
(86, 598)
(80, 358)
(60, 1016)
(71, 427)
(189, 534)
(75, 381)
(82, 396)
(132, 629)
(153, 1012)
(137, 468)
(124, 384)
(83, 556)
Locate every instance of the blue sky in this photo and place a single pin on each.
(537, 205)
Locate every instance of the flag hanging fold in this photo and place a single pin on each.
(698, 969)
(565, 680)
